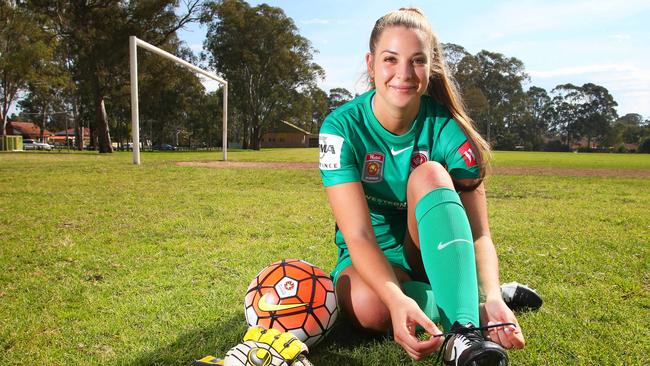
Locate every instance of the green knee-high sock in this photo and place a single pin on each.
(447, 250)
(422, 294)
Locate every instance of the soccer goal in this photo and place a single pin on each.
(134, 43)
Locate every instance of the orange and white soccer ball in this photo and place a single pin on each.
(294, 296)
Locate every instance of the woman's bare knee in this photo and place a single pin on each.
(370, 312)
(361, 303)
(427, 177)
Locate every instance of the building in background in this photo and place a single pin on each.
(28, 130)
(286, 134)
(59, 138)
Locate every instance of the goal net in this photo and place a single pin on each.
(134, 43)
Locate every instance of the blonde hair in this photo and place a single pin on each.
(442, 85)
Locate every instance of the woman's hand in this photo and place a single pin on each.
(406, 315)
(495, 311)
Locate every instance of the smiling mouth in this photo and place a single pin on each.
(403, 89)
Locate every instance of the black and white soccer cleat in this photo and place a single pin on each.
(465, 346)
(520, 297)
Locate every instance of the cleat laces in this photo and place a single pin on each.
(470, 335)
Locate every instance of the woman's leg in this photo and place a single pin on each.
(360, 302)
(439, 227)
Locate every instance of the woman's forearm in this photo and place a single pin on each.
(487, 268)
(373, 267)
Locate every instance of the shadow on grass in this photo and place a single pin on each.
(214, 340)
(218, 338)
(342, 341)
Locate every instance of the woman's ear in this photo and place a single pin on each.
(369, 64)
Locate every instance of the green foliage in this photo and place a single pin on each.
(621, 149)
(258, 49)
(493, 85)
(644, 145)
(338, 97)
(96, 34)
(26, 52)
(556, 146)
(585, 111)
(172, 97)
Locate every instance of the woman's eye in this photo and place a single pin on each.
(419, 61)
(390, 59)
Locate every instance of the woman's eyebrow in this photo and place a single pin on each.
(396, 53)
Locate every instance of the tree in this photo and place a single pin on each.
(597, 112)
(169, 93)
(453, 55)
(629, 129)
(564, 111)
(320, 108)
(26, 47)
(96, 33)
(259, 51)
(491, 84)
(338, 97)
(585, 111)
(309, 108)
(632, 119)
(644, 145)
(535, 121)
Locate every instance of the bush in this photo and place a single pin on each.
(506, 142)
(644, 145)
(621, 148)
(556, 146)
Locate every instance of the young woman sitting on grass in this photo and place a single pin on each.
(403, 168)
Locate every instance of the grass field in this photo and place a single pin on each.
(107, 263)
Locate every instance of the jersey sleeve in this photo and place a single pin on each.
(458, 154)
(337, 160)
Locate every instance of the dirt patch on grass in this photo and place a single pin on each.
(595, 172)
(250, 164)
(604, 172)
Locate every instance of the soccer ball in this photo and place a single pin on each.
(292, 296)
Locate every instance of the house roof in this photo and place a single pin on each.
(284, 126)
(28, 128)
(71, 132)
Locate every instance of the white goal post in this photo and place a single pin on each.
(134, 43)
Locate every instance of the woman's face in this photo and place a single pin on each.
(400, 67)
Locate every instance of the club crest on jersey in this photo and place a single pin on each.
(373, 168)
(465, 150)
(418, 158)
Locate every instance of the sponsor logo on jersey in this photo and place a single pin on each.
(418, 158)
(397, 152)
(386, 203)
(373, 168)
(465, 150)
(330, 151)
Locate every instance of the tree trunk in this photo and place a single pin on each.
(245, 140)
(78, 129)
(103, 135)
(255, 138)
(43, 121)
(4, 123)
(101, 129)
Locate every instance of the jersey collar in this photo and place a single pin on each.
(384, 133)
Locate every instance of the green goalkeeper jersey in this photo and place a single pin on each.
(355, 147)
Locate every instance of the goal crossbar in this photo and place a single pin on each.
(134, 43)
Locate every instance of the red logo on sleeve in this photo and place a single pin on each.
(465, 150)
